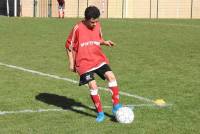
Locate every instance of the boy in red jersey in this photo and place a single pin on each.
(61, 7)
(83, 47)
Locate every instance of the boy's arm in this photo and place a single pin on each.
(107, 43)
(71, 60)
(69, 49)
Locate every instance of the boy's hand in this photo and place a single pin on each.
(72, 68)
(108, 43)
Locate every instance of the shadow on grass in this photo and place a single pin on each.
(66, 104)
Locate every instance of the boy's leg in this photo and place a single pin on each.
(94, 95)
(59, 12)
(63, 13)
(96, 100)
(112, 84)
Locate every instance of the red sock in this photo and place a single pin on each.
(59, 14)
(63, 14)
(115, 95)
(97, 102)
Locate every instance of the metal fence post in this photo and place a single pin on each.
(8, 8)
(34, 8)
(15, 8)
(157, 9)
(107, 8)
(122, 9)
(49, 8)
(150, 9)
(87, 3)
(191, 15)
(78, 9)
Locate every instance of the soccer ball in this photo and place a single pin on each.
(124, 115)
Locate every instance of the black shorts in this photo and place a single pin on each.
(89, 76)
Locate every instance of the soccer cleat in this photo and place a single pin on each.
(100, 117)
(116, 107)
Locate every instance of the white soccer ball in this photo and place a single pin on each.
(124, 115)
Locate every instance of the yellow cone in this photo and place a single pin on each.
(160, 102)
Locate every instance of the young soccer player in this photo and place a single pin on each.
(61, 7)
(85, 56)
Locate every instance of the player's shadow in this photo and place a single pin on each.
(66, 103)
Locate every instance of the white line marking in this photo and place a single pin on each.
(39, 73)
(131, 95)
(30, 111)
(73, 81)
(65, 110)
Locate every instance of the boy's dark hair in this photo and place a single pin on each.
(92, 12)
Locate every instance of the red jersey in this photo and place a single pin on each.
(85, 44)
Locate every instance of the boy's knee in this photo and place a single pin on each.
(92, 84)
(110, 76)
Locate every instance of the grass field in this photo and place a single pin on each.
(153, 59)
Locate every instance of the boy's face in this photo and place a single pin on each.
(91, 23)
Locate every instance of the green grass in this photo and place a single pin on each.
(153, 59)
